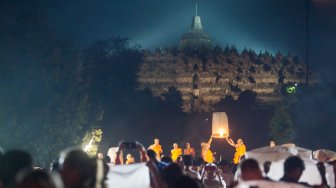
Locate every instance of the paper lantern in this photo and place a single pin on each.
(220, 125)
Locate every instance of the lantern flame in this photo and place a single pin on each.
(221, 133)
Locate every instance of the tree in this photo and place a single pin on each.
(281, 125)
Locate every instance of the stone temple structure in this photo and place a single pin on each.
(196, 38)
(205, 81)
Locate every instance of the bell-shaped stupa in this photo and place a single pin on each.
(196, 38)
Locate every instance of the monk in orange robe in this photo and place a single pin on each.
(207, 154)
(156, 147)
(189, 150)
(176, 152)
(240, 149)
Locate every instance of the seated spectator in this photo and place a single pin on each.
(76, 169)
(250, 170)
(293, 169)
(187, 167)
(11, 163)
(34, 179)
(211, 177)
(226, 172)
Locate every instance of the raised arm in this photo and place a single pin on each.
(231, 142)
(210, 140)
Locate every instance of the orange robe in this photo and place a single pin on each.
(157, 149)
(208, 156)
(175, 153)
(240, 151)
(189, 151)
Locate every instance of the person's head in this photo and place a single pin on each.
(175, 145)
(293, 168)
(34, 179)
(151, 155)
(272, 143)
(267, 166)
(240, 141)
(100, 156)
(250, 170)
(128, 156)
(76, 168)
(187, 145)
(210, 170)
(171, 173)
(11, 163)
(156, 141)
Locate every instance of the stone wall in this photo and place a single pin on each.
(204, 83)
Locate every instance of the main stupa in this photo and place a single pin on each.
(196, 38)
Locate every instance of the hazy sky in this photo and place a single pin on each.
(272, 25)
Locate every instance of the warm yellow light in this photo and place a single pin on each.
(220, 125)
(221, 133)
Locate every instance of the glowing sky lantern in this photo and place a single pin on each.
(220, 125)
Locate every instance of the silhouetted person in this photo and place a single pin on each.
(34, 179)
(211, 177)
(167, 159)
(152, 157)
(226, 172)
(76, 169)
(250, 170)
(293, 169)
(187, 167)
(186, 182)
(171, 173)
(11, 163)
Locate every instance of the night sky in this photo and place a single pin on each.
(276, 25)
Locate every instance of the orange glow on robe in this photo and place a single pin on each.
(175, 153)
(157, 149)
(208, 156)
(240, 151)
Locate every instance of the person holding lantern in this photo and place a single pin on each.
(240, 149)
(207, 154)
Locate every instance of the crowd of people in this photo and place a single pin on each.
(182, 169)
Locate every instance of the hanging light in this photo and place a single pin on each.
(220, 125)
